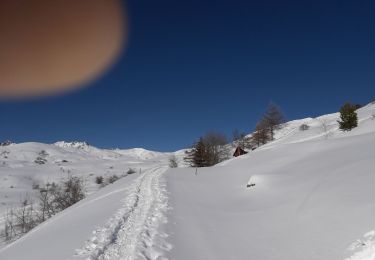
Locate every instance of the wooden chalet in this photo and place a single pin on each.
(239, 151)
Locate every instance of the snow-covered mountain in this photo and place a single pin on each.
(307, 195)
(26, 166)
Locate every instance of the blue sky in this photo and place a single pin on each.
(194, 66)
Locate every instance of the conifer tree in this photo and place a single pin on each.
(197, 156)
(209, 150)
(348, 116)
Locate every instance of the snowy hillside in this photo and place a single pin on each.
(311, 197)
(25, 167)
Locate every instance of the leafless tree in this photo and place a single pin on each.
(20, 220)
(47, 202)
(324, 128)
(273, 118)
(236, 135)
(217, 146)
(262, 134)
(25, 216)
(9, 231)
(240, 139)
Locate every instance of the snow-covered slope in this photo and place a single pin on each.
(313, 199)
(19, 171)
(26, 166)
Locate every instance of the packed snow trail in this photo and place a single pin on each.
(132, 232)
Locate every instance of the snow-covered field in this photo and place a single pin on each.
(313, 199)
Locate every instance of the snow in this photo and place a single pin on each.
(134, 227)
(117, 222)
(313, 196)
(365, 248)
(312, 199)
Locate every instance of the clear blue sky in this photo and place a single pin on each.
(192, 66)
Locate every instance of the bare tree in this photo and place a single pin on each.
(240, 139)
(46, 207)
(324, 128)
(273, 118)
(20, 220)
(69, 193)
(262, 134)
(25, 220)
(236, 135)
(9, 231)
(216, 144)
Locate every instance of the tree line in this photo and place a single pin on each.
(214, 147)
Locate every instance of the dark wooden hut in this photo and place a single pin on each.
(239, 151)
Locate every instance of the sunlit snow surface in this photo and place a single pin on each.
(313, 196)
(312, 199)
(365, 248)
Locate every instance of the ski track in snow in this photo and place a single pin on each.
(133, 232)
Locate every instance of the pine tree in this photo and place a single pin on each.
(348, 116)
(198, 155)
(208, 151)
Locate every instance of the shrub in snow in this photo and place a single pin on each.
(304, 127)
(70, 192)
(43, 153)
(99, 180)
(131, 171)
(5, 154)
(40, 160)
(173, 162)
(35, 186)
(113, 178)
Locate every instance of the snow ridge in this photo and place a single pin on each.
(132, 233)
